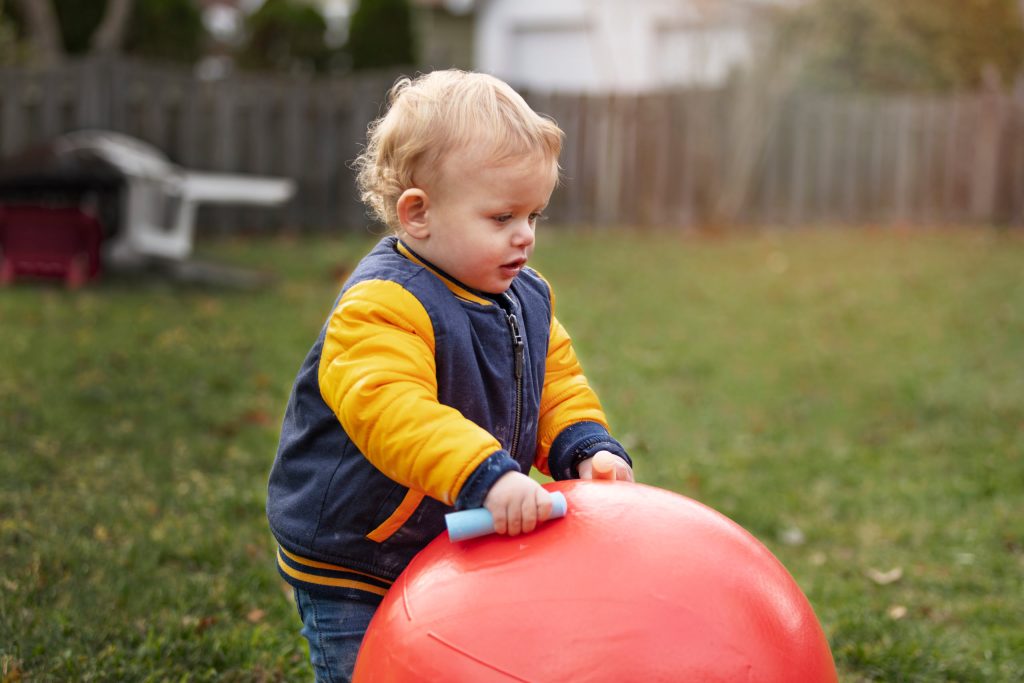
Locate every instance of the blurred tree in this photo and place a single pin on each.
(163, 29)
(169, 30)
(38, 22)
(110, 33)
(381, 34)
(881, 45)
(285, 35)
(9, 52)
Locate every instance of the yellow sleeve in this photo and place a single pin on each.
(566, 398)
(377, 373)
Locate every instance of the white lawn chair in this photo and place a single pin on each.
(160, 198)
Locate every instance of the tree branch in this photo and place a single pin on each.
(43, 32)
(109, 36)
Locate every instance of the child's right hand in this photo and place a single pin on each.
(605, 465)
(517, 504)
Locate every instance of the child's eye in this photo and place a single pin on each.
(537, 216)
(503, 218)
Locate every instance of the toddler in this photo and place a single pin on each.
(441, 375)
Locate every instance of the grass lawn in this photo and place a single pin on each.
(855, 399)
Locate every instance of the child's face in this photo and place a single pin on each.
(482, 215)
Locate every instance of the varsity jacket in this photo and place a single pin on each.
(417, 395)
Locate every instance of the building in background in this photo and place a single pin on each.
(617, 45)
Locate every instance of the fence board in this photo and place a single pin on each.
(1015, 214)
(853, 115)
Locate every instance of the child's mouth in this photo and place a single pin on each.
(513, 267)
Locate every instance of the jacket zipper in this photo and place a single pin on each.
(519, 351)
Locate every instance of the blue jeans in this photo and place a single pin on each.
(334, 629)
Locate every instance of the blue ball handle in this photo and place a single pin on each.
(467, 524)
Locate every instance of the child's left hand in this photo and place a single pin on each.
(605, 465)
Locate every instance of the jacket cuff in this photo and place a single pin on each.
(576, 443)
(480, 482)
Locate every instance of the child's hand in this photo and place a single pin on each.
(517, 503)
(605, 465)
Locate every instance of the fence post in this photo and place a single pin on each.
(1016, 106)
(904, 162)
(991, 121)
(798, 167)
(851, 172)
(10, 121)
(94, 94)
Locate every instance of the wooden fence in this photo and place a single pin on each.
(721, 157)
(675, 159)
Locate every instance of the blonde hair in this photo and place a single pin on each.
(437, 114)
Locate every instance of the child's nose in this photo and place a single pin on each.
(523, 236)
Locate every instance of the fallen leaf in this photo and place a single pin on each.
(257, 417)
(884, 578)
(792, 536)
(200, 624)
(10, 671)
(897, 612)
(205, 623)
(255, 616)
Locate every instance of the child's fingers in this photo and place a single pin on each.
(605, 465)
(529, 514)
(515, 519)
(544, 506)
(500, 517)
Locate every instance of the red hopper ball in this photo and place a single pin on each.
(635, 583)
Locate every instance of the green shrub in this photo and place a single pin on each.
(381, 35)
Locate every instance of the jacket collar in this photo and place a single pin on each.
(457, 288)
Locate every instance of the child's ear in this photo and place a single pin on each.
(413, 211)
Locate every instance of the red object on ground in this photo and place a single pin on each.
(49, 242)
(634, 584)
